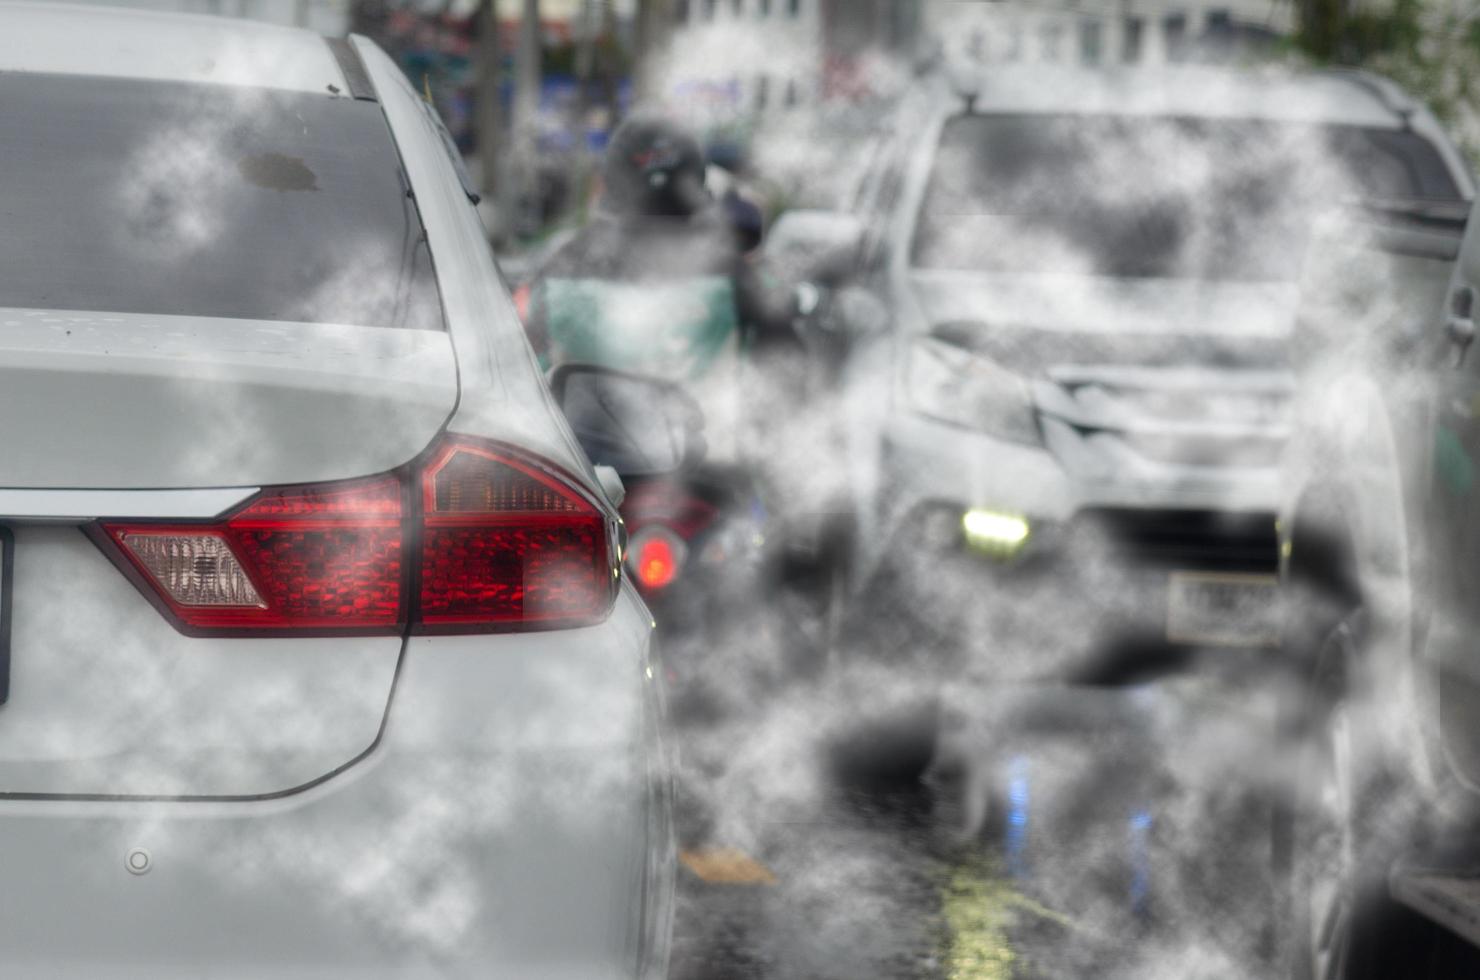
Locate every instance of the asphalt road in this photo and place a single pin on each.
(850, 873)
(847, 888)
(871, 880)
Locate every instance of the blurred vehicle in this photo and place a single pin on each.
(701, 552)
(662, 284)
(1088, 280)
(1381, 531)
(317, 654)
(1069, 312)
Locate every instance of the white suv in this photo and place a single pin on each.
(1071, 432)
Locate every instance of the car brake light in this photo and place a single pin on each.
(657, 554)
(496, 540)
(506, 541)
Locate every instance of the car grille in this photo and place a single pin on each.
(1139, 421)
(1197, 540)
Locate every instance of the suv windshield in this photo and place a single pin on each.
(1138, 196)
(153, 197)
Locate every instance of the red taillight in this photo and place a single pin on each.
(496, 540)
(318, 558)
(656, 556)
(506, 542)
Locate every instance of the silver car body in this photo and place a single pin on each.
(1090, 413)
(489, 805)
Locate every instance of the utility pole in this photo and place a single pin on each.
(654, 26)
(592, 26)
(609, 62)
(598, 57)
(588, 32)
(488, 108)
(519, 190)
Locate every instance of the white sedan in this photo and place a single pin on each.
(317, 659)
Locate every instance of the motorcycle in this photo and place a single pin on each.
(706, 552)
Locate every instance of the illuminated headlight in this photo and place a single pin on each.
(954, 385)
(994, 533)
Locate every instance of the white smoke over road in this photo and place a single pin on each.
(1140, 804)
(1136, 235)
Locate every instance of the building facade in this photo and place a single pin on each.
(760, 56)
(1105, 32)
(744, 57)
(768, 56)
(329, 17)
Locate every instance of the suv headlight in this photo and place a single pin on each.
(955, 385)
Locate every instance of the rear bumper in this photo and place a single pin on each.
(512, 822)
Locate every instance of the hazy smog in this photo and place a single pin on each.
(738, 489)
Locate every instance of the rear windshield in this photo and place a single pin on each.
(1155, 197)
(157, 197)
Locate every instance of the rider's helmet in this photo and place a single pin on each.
(655, 168)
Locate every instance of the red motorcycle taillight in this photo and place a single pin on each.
(657, 554)
(496, 540)
(522, 296)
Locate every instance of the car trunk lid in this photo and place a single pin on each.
(107, 416)
(126, 401)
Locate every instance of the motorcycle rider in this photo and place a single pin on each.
(666, 280)
(657, 221)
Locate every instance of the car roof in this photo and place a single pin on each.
(116, 43)
(1331, 97)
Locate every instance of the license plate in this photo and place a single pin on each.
(1224, 609)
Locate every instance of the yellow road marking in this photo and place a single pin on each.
(977, 905)
(980, 905)
(726, 866)
(1025, 903)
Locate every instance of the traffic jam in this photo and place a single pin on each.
(1023, 527)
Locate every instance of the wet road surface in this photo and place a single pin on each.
(871, 875)
(854, 895)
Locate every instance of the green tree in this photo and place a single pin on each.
(1430, 47)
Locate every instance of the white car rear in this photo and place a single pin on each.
(317, 655)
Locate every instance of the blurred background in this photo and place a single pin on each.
(795, 101)
(548, 80)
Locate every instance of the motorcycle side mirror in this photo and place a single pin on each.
(636, 425)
